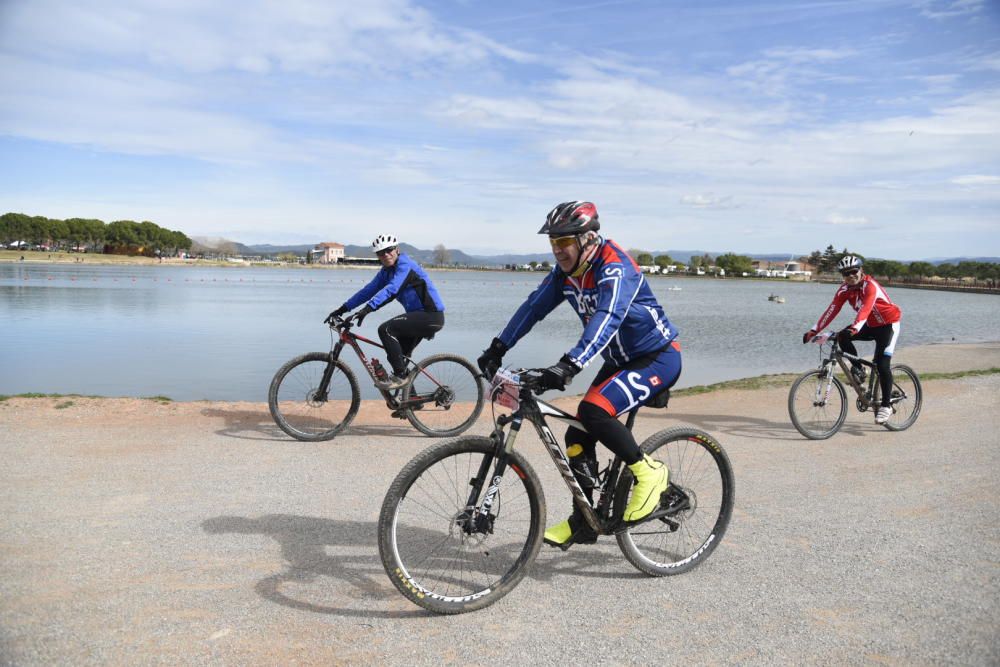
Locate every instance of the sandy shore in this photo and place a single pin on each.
(137, 532)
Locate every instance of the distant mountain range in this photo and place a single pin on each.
(225, 246)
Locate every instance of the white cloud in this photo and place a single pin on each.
(839, 219)
(707, 200)
(976, 179)
(316, 37)
(946, 9)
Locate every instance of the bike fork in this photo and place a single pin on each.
(477, 513)
(324, 383)
(823, 388)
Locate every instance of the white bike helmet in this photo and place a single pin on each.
(384, 242)
(848, 262)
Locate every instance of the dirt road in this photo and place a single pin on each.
(133, 532)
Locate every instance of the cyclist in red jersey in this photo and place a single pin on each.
(877, 320)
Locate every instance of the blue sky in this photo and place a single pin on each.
(719, 125)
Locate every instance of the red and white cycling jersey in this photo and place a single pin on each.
(869, 299)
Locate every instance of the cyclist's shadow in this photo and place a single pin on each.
(603, 560)
(246, 424)
(744, 425)
(259, 425)
(304, 542)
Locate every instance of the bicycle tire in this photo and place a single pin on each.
(291, 395)
(801, 421)
(429, 558)
(903, 415)
(461, 395)
(674, 544)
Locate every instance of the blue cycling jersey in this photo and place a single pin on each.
(621, 318)
(406, 282)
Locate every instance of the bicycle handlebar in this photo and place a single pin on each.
(527, 378)
(339, 323)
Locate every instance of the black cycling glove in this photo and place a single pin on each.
(559, 375)
(334, 315)
(360, 316)
(492, 357)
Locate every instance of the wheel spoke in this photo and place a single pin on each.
(457, 393)
(451, 565)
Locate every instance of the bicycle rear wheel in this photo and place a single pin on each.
(701, 494)
(906, 398)
(817, 405)
(300, 410)
(429, 549)
(450, 393)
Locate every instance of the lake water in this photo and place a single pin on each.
(220, 333)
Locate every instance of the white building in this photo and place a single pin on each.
(327, 253)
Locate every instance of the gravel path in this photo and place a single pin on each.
(133, 532)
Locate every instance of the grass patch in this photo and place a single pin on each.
(786, 379)
(63, 405)
(958, 374)
(759, 382)
(32, 394)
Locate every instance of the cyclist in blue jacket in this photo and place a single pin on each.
(624, 324)
(404, 280)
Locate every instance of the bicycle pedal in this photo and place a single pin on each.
(398, 414)
(673, 500)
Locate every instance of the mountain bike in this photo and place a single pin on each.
(817, 401)
(462, 522)
(315, 396)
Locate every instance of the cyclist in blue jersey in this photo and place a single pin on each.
(624, 324)
(404, 280)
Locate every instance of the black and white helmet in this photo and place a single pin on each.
(848, 262)
(384, 242)
(571, 217)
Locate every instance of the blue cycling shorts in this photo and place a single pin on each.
(618, 389)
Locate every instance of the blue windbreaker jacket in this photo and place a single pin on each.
(621, 318)
(406, 281)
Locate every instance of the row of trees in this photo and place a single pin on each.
(120, 236)
(826, 262)
(732, 263)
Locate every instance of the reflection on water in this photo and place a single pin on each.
(220, 333)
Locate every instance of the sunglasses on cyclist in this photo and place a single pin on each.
(852, 272)
(380, 253)
(562, 241)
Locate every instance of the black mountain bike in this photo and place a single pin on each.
(817, 402)
(463, 520)
(315, 396)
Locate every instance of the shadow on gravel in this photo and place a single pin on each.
(306, 543)
(404, 430)
(246, 424)
(258, 425)
(744, 426)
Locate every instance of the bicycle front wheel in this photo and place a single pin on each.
(299, 405)
(699, 500)
(817, 405)
(906, 398)
(445, 397)
(434, 552)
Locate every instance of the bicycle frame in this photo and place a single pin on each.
(535, 411)
(344, 336)
(838, 356)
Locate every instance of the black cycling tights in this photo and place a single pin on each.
(605, 428)
(402, 333)
(883, 337)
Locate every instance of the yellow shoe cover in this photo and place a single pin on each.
(650, 482)
(558, 534)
